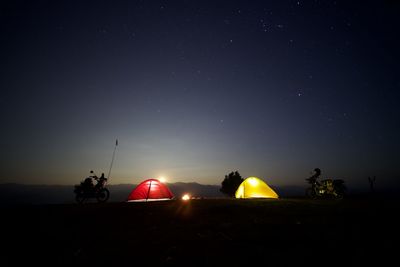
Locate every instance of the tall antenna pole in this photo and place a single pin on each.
(112, 160)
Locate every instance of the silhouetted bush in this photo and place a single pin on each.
(231, 183)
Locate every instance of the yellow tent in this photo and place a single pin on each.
(254, 187)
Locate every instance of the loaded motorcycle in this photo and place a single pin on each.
(326, 188)
(99, 191)
(87, 190)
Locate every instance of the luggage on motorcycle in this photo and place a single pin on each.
(328, 183)
(88, 182)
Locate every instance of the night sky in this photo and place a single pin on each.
(196, 89)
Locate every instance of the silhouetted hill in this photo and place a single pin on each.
(16, 194)
(195, 189)
(35, 194)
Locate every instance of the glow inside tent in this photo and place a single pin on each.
(254, 187)
(150, 190)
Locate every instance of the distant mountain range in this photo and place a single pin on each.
(16, 194)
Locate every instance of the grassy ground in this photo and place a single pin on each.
(219, 232)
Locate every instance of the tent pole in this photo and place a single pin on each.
(148, 192)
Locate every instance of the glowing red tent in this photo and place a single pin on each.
(150, 190)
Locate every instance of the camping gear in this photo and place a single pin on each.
(150, 190)
(254, 187)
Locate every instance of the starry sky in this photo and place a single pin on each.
(196, 89)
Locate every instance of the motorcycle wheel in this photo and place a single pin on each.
(103, 195)
(80, 198)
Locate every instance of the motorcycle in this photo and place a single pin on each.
(325, 188)
(87, 190)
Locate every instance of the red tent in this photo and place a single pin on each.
(150, 189)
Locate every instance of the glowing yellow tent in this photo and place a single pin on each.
(254, 187)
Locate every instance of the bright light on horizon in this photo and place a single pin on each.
(162, 179)
(186, 197)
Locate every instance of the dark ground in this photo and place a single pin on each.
(209, 232)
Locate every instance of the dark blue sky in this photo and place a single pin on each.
(196, 89)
